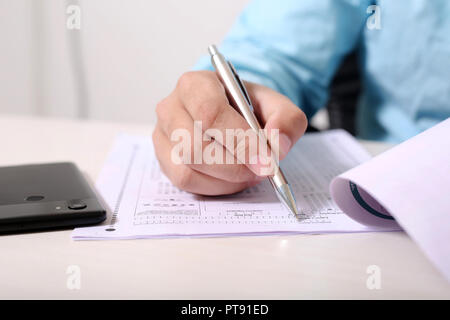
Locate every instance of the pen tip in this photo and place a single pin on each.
(287, 197)
(292, 208)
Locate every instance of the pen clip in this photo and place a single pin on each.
(241, 84)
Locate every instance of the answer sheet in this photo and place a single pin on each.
(144, 204)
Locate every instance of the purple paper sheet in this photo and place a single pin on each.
(409, 183)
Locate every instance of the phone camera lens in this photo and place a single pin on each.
(76, 205)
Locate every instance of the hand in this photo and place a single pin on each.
(200, 96)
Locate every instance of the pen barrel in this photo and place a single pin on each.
(278, 179)
(236, 93)
(240, 100)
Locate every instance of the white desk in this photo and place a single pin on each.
(269, 267)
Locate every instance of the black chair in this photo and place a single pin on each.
(345, 89)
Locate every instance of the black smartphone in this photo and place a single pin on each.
(46, 196)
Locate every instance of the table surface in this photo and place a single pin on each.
(36, 265)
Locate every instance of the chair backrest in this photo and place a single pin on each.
(344, 92)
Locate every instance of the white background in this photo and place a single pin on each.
(133, 52)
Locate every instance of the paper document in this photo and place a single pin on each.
(404, 188)
(145, 204)
(407, 185)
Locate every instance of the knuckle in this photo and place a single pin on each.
(209, 111)
(154, 136)
(160, 108)
(299, 118)
(187, 78)
(183, 179)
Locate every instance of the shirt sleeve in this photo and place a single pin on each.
(293, 46)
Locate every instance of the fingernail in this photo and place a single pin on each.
(285, 145)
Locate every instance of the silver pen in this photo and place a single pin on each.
(237, 92)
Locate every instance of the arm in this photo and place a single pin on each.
(294, 46)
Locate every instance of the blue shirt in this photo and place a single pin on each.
(295, 47)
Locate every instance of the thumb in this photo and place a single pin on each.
(278, 112)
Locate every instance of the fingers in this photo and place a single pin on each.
(227, 164)
(210, 106)
(231, 172)
(222, 164)
(278, 112)
(209, 103)
(185, 177)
